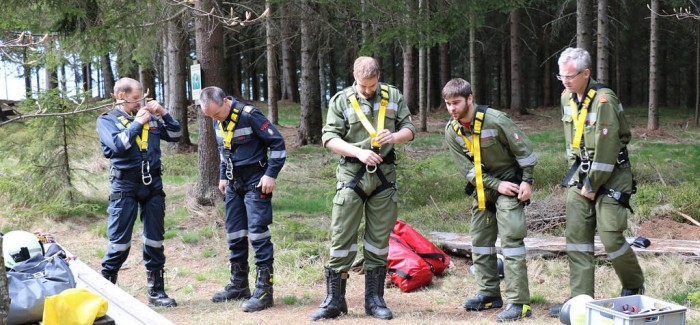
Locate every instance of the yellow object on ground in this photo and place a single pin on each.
(76, 306)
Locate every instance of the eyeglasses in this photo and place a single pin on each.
(567, 78)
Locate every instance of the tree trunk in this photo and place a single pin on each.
(148, 80)
(4, 293)
(209, 40)
(176, 41)
(409, 80)
(584, 31)
(422, 77)
(272, 86)
(311, 122)
(697, 76)
(108, 75)
(332, 73)
(51, 73)
(472, 58)
(445, 68)
(27, 69)
(87, 80)
(653, 122)
(547, 82)
(516, 102)
(504, 67)
(602, 75)
(64, 80)
(289, 65)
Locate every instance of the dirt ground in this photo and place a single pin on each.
(437, 304)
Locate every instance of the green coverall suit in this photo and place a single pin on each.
(380, 209)
(606, 133)
(506, 154)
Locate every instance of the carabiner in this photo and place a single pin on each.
(229, 169)
(146, 177)
(372, 171)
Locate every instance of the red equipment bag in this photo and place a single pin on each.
(434, 256)
(406, 269)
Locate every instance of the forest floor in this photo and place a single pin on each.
(196, 270)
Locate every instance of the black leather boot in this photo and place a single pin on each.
(335, 304)
(111, 276)
(262, 296)
(238, 289)
(630, 292)
(156, 290)
(374, 294)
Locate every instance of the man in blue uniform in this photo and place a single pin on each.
(247, 179)
(132, 143)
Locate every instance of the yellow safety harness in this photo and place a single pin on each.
(475, 149)
(228, 137)
(384, 91)
(580, 117)
(142, 141)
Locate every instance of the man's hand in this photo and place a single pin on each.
(524, 192)
(143, 116)
(222, 186)
(266, 184)
(155, 108)
(385, 136)
(508, 189)
(369, 157)
(587, 194)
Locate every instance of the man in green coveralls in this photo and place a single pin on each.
(599, 179)
(364, 123)
(498, 161)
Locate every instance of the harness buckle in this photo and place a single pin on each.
(615, 195)
(146, 177)
(229, 169)
(585, 166)
(370, 169)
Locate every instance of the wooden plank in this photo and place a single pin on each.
(123, 308)
(461, 244)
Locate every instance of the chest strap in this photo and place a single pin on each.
(352, 97)
(142, 141)
(228, 137)
(473, 150)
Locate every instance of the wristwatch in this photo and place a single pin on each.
(529, 180)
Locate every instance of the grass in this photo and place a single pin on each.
(430, 199)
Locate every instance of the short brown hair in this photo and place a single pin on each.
(366, 67)
(457, 87)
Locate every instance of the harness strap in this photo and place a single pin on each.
(620, 197)
(142, 141)
(352, 97)
(228, 137)
(475, 149)
(352, 184)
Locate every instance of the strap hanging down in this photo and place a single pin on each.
(228, 136)
(475, 148)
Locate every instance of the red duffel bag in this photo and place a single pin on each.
(406, 269)
(433, 255)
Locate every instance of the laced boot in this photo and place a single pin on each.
(514, 312)
(262, 296)
(481, 302)
(156, 290)
(631, 292)
(238, 289)
(111, 276)
(335, 304)
(374, 294)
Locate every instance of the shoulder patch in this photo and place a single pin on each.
(603, 98)
(248, 109)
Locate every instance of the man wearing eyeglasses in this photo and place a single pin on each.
(599, 179)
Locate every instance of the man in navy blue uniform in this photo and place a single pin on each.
(130, 137)
(247, 179)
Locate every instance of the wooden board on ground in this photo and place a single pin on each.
(123, 308)
(461, 244)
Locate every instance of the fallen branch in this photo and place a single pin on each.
(687, 217)
(658, 173)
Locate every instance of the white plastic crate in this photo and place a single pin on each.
(649, 311)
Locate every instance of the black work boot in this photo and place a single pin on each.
(238, 288)
(631, 292)
(111, 276)
(262, 296)
(156, 290)
(514, 312)
(335, 304)
(374, 294)
(481, 302)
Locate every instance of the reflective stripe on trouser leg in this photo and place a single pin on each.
(380, 218)
(120, 224)
(236, 221)
(153, 218)
(512, 229)
(580, 230)
(259, 208)
(484, 234)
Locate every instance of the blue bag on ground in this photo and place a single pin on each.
(32, 281)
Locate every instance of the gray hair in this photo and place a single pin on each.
(126, 85)
(366, 67)
(580, 57)
(211, 94)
